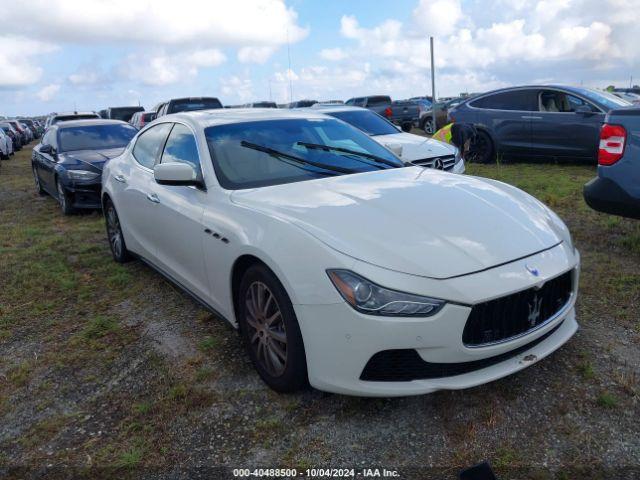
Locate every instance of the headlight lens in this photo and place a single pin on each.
(372, 299)
(458, 155)
(82, 175)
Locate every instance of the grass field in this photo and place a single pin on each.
(109, 369)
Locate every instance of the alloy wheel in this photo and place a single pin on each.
(428, 127)
(114, 232)
(36, 179)
(267, 332)
(62, 196)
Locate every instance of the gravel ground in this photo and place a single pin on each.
(119, 375)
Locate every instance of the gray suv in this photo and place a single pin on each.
(546, 122)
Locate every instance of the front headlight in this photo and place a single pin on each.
(372, 299)
(458, 155)
(82, 175)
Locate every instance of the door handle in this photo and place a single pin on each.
(531, 117)
(120, 178)
(152, 197)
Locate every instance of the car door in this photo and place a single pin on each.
(178, 228)
(507, 115)
(137, 205)
(47, 161)
(566, 126)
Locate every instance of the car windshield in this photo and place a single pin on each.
(95, 137)
(369, 122)
(192, 104)
(123, 113)
(609, 100)
(239, 166)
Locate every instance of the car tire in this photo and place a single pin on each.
(63, 199)
(36, 179)
(482, 149)
(114, 234)
(270, 331)
(427, 126)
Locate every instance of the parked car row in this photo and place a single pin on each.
(15, 133)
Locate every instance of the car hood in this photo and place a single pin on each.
(415, 147)
(91, 158)
(415, 220)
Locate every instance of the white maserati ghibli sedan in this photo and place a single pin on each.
(340, 266)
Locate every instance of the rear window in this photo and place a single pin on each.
(379, 100)
(520, 100)
(65, 118)
(95, 137)
(123, 113)
(192, 104)
(369, 122)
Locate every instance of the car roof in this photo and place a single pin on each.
(220, 116)
(70, 114)
(336, 108)
(88, 122)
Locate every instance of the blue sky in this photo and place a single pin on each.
(59, 55)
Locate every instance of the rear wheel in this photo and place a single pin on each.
(114, 234)
(481, 149)
(63, 198)
(270, 331)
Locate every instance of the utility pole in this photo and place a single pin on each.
(433, 89)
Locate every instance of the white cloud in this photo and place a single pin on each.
(161, 68)
(333, 54)
(255, 54)
(438, 17)
(238, 88)
(17, 57)
(189, 22)
(498, 43)
(47, 93)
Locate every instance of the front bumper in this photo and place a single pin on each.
(85, 195)
(605, 195)
(339, 342)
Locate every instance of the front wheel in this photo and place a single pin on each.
(63, 197)
(270, 331)
(114, 234)
(36, 180)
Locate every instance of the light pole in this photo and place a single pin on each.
(433, 90)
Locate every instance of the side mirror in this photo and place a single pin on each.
(46, 149)
(175, 173)
(584, 110)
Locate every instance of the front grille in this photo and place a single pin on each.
(514, 315)
(447, 162)
(407, 365)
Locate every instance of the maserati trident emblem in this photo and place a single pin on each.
(437, 164)
(532, 270)
(534, 311)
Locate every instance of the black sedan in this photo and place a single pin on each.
(68, 162)
(537, 122)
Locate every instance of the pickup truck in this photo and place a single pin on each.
(616, 189)
(404, 113)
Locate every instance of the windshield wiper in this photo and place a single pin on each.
(370, 156)
(276, 153)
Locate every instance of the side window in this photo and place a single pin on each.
(561, 102)
(519, 100)
(359, 102)
(149, 144)
(181, 147)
